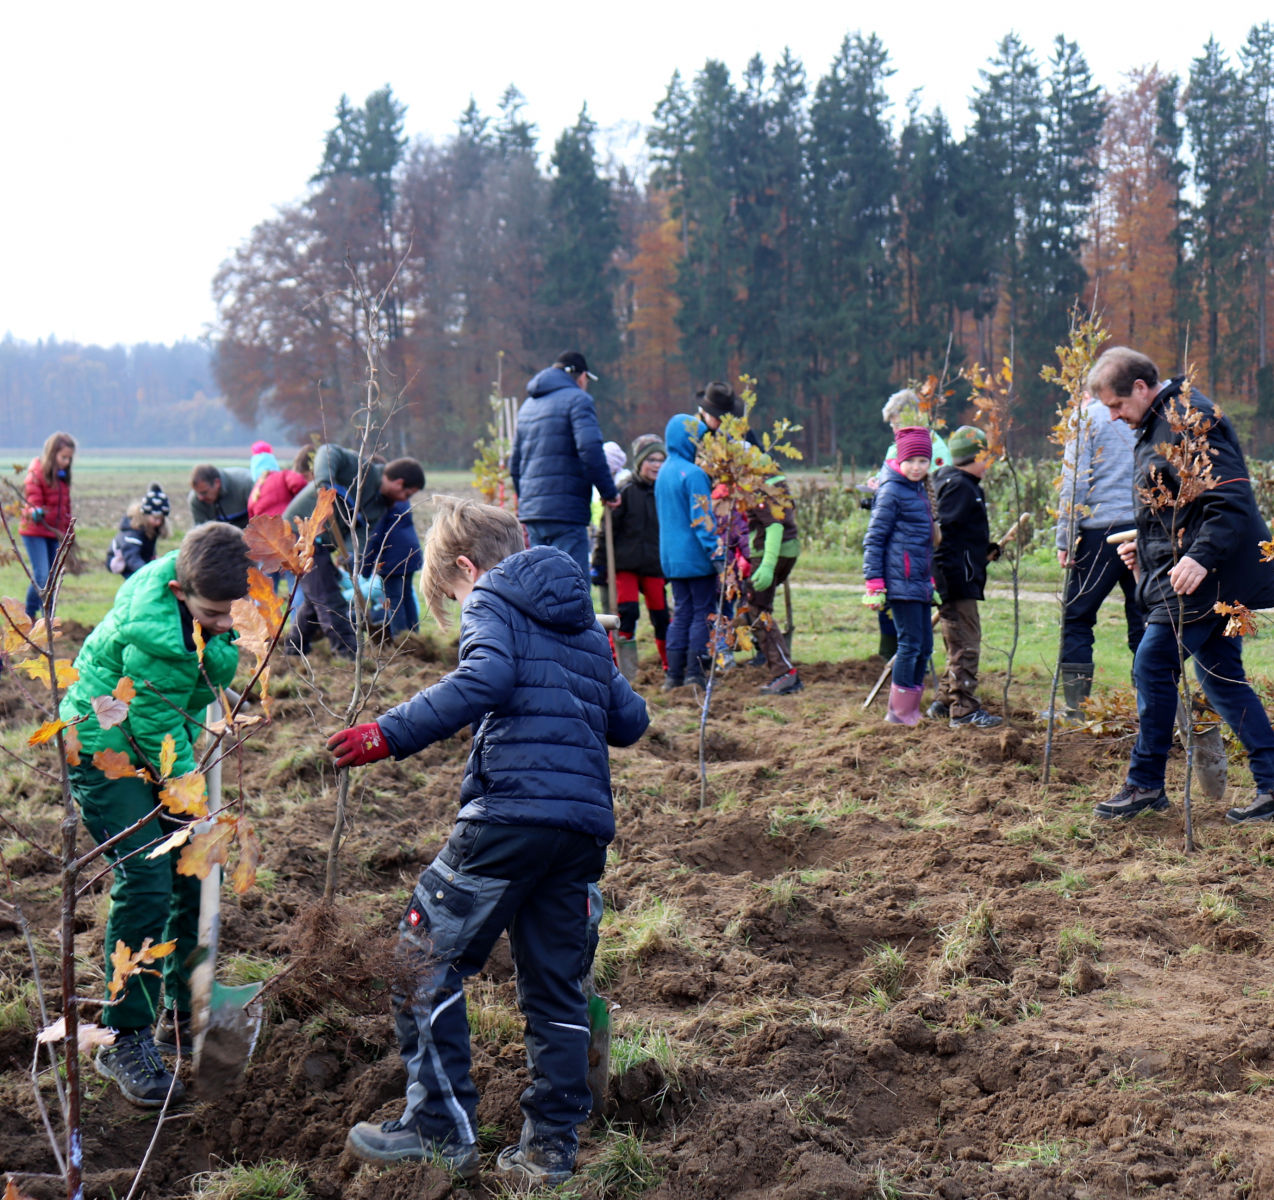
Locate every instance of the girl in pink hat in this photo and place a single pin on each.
(898, 566)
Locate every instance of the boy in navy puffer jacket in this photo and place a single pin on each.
(898, 565)
(537, 683)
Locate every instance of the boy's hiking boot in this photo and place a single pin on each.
(978, 719)
(937, 711)
(784, 685)
(171, 1023)
(394, 1142)
(539, 1166)
(1261, 809)
(1129, 801)
(135, 1066)
(757, 660)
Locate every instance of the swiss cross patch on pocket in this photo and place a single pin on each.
(416, 917)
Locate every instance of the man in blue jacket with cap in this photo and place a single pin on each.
(537, 684)
(558, 459)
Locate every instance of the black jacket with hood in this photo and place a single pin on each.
(966, 545)
(1220, 529)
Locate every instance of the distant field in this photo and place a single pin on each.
(105, 483)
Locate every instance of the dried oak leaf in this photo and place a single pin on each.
(71, 740)
(186, 794)
(261, 592)
(172, 841)
(124, 690)
(245, 872)
(167, 755)
(1242, 622)
(45, 733)
(272, 543)
(207, 850)
(196, 633)
(309, 530)
(11, 1192)
(88, 1036)
(38, 669)
(114, 764)
(110, 711)
(127, 963)
(252, 628)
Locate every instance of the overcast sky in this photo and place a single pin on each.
(142, 141)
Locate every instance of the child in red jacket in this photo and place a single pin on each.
(46, 516)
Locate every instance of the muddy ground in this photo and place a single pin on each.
(1069, 1009)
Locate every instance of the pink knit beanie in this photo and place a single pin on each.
(913, 441)
(262, 448)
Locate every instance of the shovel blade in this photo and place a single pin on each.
(227, 1038)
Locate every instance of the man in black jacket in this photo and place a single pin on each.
(1187, 558)
(961, 559)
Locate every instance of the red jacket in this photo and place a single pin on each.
(273, 492)
(54, 498)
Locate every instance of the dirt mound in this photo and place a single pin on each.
(881, 961)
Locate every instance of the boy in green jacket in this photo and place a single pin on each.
(149, 636)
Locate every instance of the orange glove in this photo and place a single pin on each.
(359, 746)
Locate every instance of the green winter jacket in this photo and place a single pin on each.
(141, 637)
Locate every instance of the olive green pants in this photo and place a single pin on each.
(148, 898)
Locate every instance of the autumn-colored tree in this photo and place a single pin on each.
(1131, 255)
(656, 377)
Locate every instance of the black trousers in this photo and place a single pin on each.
(540, 885)
(1099, 568)
(324, 610)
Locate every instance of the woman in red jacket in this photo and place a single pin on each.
(47, 514)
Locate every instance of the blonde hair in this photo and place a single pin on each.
(136, 517)
(482, 533)
(49, 455)
(905, 403)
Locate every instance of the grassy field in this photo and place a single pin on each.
(830, 620)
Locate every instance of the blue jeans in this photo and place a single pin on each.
(915, 641)
(41, 551)
(694, 600)
(572, 539)
(539, 884)
(400, 603)
(1218, 666)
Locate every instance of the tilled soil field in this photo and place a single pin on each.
(881, 962)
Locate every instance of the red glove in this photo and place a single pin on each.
(359, 746)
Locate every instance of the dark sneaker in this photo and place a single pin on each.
(938, 711)
(757, 660)
(541, 1167)
(135, 1066)
(980, 719)
(784, 685)
(393, 1142)
(1261, 809)
(171, 1023)
(671, 683)
(1129, 801)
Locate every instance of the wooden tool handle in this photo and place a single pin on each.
(1118, 539)
(1012, 529)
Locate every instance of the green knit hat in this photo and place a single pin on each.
(967, 442)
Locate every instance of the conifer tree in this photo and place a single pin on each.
(579, 273)
(1213, 115)
(852, 216)
(1257, 184)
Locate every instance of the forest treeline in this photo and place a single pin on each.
(143, 395)
(798, 230)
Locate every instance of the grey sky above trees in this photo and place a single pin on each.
(165, 134)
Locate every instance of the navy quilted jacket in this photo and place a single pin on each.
(898, 547)
(557, 456)
(537, 681)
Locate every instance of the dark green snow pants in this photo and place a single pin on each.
(148, 898)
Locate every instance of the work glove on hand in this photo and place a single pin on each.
(37, 515)
(762, 579)
(875, 599)
(359, 746)
(742, 565)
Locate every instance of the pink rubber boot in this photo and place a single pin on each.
(904, 705)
